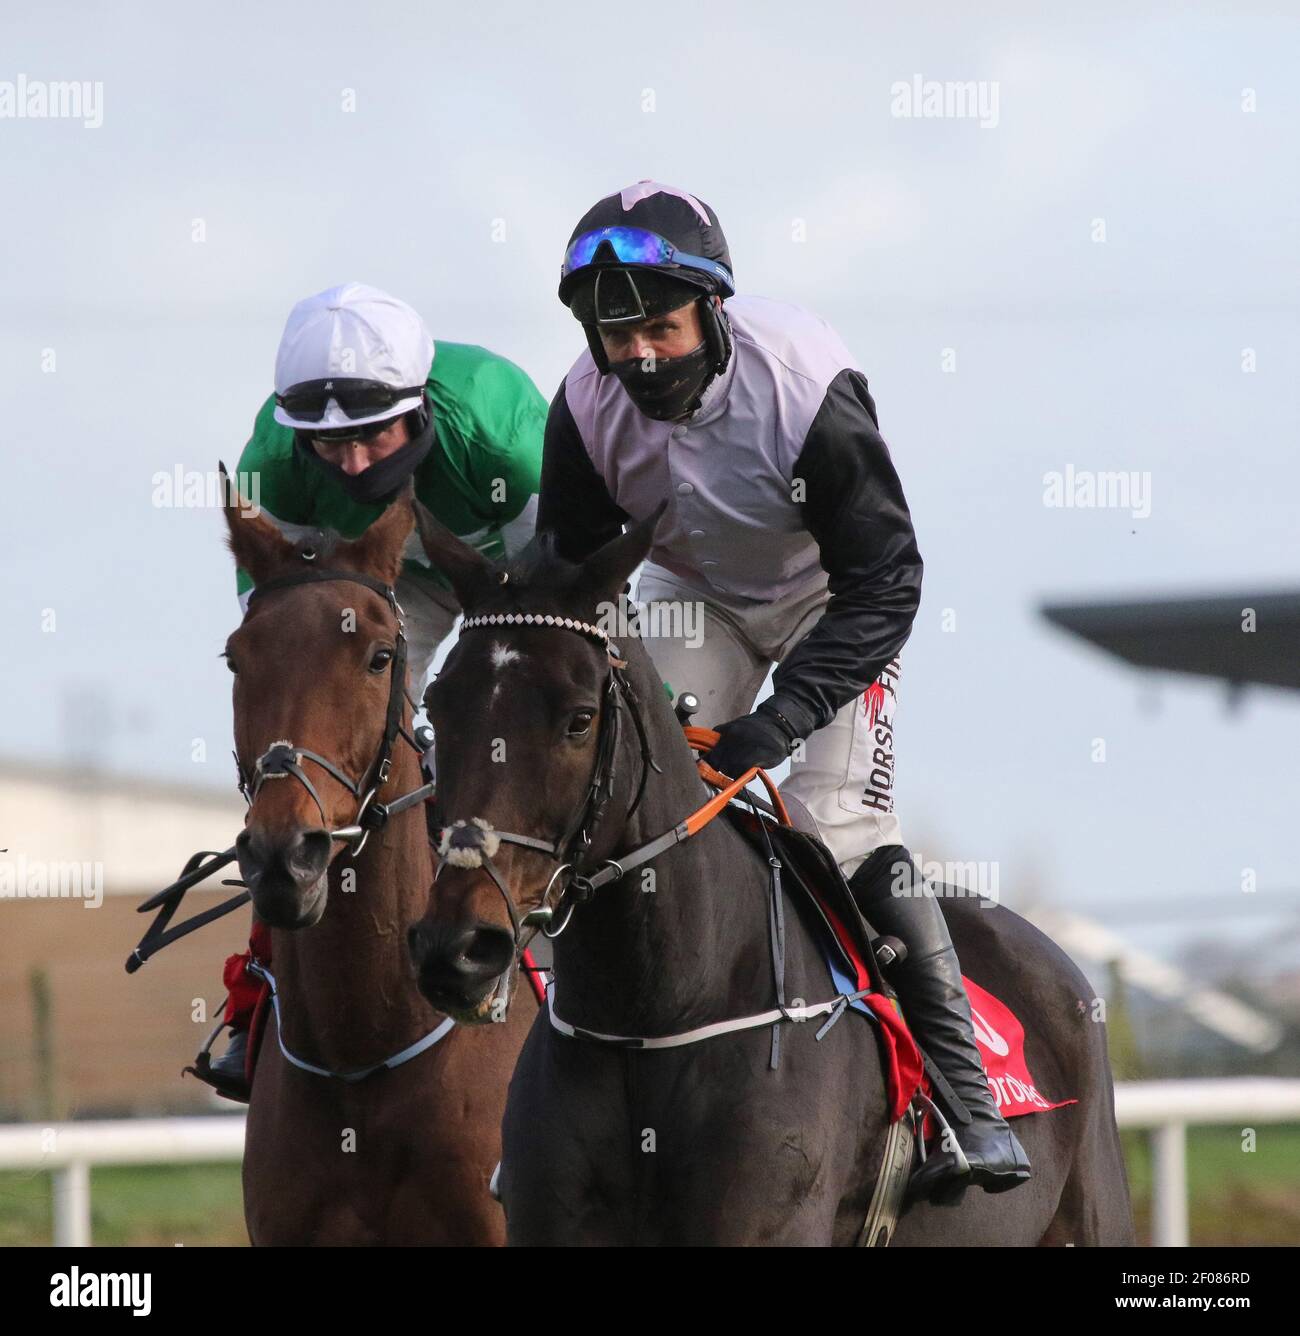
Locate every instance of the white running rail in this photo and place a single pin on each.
(68, 1150)
(1168, 1108)
(1165, 1108)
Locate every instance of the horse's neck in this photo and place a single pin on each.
(687, 944)
(347, 997)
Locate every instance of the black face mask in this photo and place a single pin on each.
(381, 482)
(672, 389)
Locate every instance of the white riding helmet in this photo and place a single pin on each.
(352, 333)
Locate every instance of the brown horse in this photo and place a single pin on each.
(403, 1155)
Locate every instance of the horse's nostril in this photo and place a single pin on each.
(309, 854)
(301, 855)
(489, 948)
(485, 953)
(461, 962)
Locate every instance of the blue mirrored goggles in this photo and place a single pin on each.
(636, 245)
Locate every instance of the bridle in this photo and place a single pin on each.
(283, 758)
(474, 842)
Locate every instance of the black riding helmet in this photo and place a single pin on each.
(644, 251)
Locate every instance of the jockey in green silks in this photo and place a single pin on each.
(364, 402)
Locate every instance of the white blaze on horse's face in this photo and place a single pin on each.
(502, 655)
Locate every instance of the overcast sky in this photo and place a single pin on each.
(1096, 249)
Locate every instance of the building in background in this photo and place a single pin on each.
(79, 1036)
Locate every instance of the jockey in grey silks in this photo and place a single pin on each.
(788, 531)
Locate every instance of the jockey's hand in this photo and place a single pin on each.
(760, 739)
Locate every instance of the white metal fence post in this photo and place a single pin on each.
(71, 1186)
(1169, 1186)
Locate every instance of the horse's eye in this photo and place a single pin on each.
(382, 659)
(580, 723)
(230, 663)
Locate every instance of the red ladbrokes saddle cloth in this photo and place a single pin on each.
(999, 1036)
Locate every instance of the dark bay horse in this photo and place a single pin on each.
(538, 737)
(404, 1155)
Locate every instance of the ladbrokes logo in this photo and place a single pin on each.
(93, 1289)
(987, 1035)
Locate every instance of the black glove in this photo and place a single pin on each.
(762, 739)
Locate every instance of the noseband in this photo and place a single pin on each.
(474, 843)
(283, 759)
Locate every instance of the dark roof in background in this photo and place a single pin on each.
(1196, 635)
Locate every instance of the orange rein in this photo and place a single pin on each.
(705, 739)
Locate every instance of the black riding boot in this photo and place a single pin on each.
(894, 898)
(231, 1063)
(226, 1074)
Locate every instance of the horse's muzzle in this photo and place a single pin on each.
(459, 968)
(285, 874)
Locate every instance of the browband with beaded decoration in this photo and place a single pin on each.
(538, 619)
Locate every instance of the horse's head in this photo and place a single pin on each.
(314, 663)
(520, 713)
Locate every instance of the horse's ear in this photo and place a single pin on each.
(469, 571)
(609, 568)
(256, 544)
(378, 551)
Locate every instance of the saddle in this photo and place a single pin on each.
(822, 887)
(820, 891)
(853, 944)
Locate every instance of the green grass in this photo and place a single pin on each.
(159, 1205)
(1215, 1158)
(1238, 1198)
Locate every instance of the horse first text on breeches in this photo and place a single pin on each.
(721, 649)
